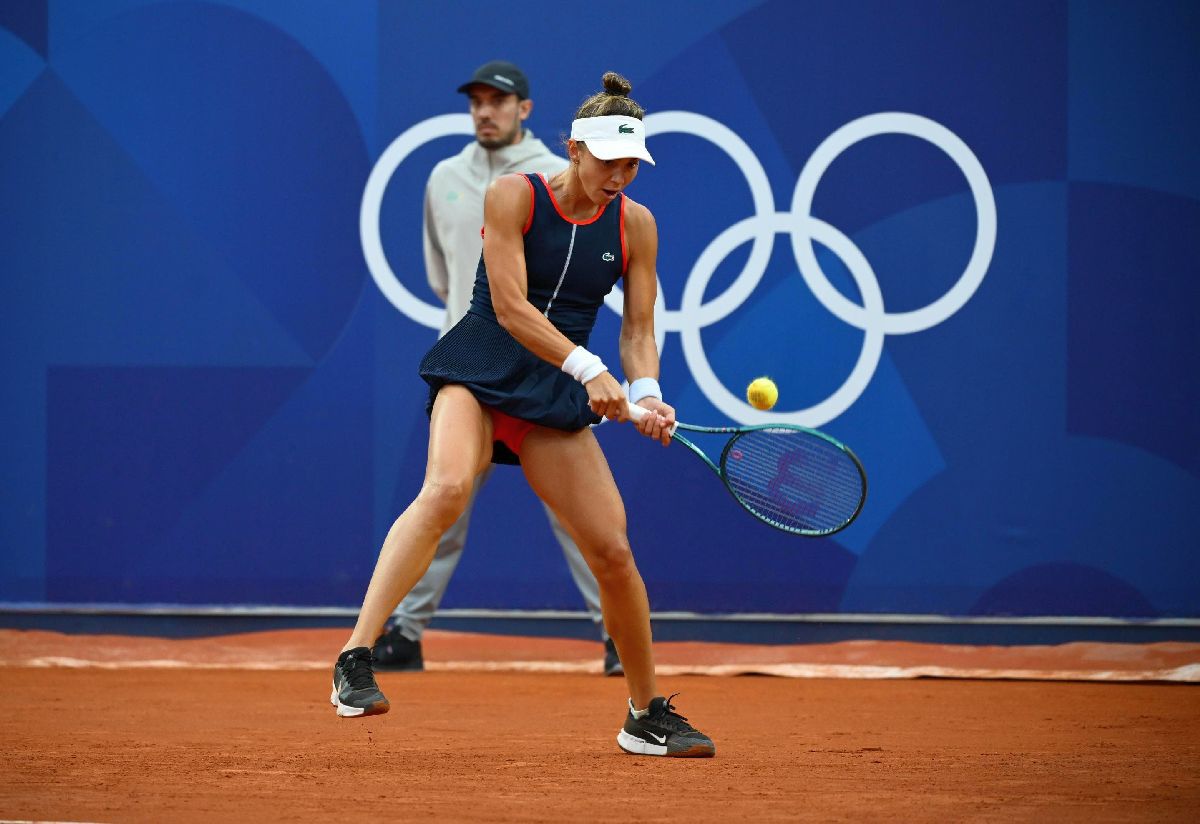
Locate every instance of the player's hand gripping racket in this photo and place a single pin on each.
(795, 479)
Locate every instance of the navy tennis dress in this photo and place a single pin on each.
(570, 267)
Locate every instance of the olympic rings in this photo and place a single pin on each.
(985, 209)
(693, 349)
(444, 125)
(694, 313)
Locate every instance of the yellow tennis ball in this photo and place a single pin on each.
(762, 393)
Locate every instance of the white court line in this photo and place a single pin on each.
(260, 611)
(1189, 673)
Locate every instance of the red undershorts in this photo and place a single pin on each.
(508, 430)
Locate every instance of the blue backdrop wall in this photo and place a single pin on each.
(963, 237)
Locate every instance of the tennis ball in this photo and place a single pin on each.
(762, 393)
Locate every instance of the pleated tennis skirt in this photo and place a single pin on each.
(481, 355)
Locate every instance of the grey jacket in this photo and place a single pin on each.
(454, 213)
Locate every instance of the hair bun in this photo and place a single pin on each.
(616, 85)
(613, 99)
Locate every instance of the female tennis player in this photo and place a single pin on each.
(513, 383)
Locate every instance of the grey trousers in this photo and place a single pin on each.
(417, 609)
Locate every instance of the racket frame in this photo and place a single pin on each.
(737, 432)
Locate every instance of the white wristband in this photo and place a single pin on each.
(582, 365)
(644, 388)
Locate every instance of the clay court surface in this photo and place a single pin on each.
(239, 728)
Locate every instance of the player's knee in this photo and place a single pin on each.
(445, 500)
(612, 562)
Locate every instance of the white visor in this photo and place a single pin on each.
(613, 136)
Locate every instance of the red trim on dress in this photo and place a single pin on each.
(550, 192)
(532, 198)
(528, 220)
(624, 249)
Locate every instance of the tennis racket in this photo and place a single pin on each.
(795, 479)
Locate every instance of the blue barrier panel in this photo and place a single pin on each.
(961, 237)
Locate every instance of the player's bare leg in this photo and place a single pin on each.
(569, 472)
(460, 434)
(460, 440)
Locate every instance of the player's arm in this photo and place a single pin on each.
(506, 207)
(505, 210)
(435, 259)
(639, 353)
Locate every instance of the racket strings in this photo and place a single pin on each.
(794, 478)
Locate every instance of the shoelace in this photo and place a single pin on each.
(673, 720)
(357, 671)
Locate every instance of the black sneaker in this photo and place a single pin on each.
(612, 661)
(395, 653)
(355, 692)
(663, 731)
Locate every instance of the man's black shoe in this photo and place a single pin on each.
(612, 661)
(662, 731)
(355, 692)
(395, 653)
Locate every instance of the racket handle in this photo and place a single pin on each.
(638, 412)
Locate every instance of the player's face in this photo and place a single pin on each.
(603, 180)
(497, 115)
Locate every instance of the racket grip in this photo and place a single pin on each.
(636, 413)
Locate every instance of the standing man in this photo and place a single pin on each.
(499, 104)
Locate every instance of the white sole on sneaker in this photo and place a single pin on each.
(635, 745)
(343, 710)
(347, 711)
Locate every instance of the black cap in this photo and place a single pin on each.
(502, 75)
